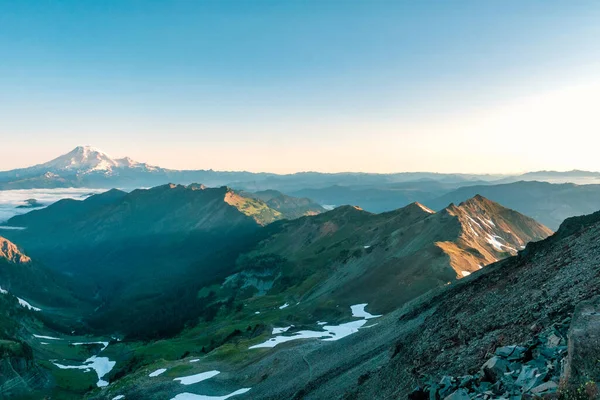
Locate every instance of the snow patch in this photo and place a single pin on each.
(358, 311)
(25, 304)
(158, 372)
(475, 222)
(277, 331)
(46, 337)
(195, 360)
(190, 380)
(286, 305)
(493, 240)
(465, 273)
(191, 396)
(329, 333)
(102, 366)
(104, 344)
(119, 397)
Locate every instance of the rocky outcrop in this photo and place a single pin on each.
(513, 372)
(11, 253)
(19, 375)
(583, 365)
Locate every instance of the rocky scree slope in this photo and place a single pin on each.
(508, 303)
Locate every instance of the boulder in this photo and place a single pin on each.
(554, 340)
(495, 368)
(529, 378)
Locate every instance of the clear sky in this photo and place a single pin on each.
(290, 85)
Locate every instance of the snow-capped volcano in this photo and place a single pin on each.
(86, 159)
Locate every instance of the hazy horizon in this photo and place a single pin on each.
(328, 86)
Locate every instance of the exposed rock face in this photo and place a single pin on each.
(10, 252)
(19, 374)
(583, 364)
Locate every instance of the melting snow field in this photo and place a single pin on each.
(102, 366)
(358, 311)
(329, 332)
(190, 380)
(191, 396)
(158, 372)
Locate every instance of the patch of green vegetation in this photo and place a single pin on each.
(71, 382)
(179, 370)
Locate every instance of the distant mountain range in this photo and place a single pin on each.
(89, 167)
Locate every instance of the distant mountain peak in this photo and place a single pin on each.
(490, 231)
(83, 160)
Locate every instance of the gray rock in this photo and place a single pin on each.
(460, 394)
(466, 381)
(548, 387)
(494, 368)
(529, 378)
(554, 340)
(511, 353)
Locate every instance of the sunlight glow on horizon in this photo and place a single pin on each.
(521, 135)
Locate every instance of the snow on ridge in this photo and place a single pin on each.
(26, 304)
(22, 303)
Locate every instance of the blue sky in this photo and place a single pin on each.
(292, 85)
